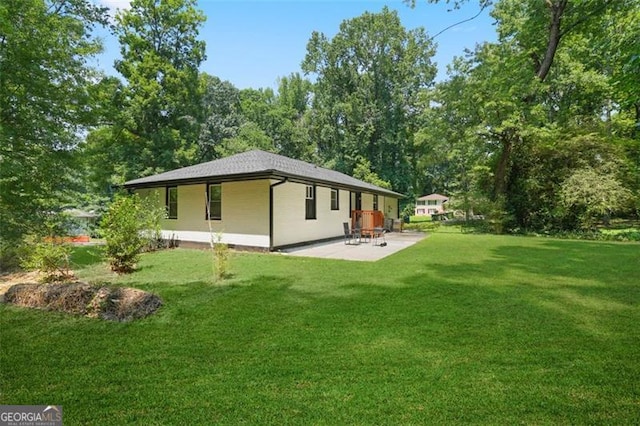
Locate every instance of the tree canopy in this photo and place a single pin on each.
(523, 129)
(45, 105)
(368, 80)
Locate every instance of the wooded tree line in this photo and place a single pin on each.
(539, 129)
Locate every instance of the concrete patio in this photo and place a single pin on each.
(365, 251)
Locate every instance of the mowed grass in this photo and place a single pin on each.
(456, 329)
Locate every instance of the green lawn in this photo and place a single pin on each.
(457, 329)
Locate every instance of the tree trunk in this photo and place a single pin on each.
(557, 10)
(502, 168)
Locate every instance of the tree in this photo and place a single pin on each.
(106, 145)
(525, 22)
(294, 93)
(249, 137)
(450, 153)
(282, 116)
(368, 79)
(363, 172)
(161, 54)
(520, 25)
(45, 104)
(221, 116)
(290, 118)
(549, 81)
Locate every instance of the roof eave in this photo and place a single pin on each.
(197, 180)
(266, 174)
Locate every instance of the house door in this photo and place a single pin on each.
(358, 201)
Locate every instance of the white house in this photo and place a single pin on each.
(430, 204)
(263, 200)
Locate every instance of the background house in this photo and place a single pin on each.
(430, 204)
(259, 199)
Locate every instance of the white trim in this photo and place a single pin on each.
(227, 238)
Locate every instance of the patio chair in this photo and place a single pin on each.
(351, 236)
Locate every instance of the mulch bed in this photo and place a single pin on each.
(94, 301)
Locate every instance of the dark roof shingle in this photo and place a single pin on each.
(256, 163)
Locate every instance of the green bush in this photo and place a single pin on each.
(10, 255)
(131, 226)
(123, 229)
(50, 256)
(596, 235)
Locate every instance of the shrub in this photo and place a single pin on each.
(131, 226)
(631, 235)
(122, 229)
(50, 256)
(594, 195)
(422, 226)
(10, 255)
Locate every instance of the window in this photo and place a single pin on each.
(375, 202)
(310, 202)
(432, 202)
(215, 201)
(335, 199)
(172, 202)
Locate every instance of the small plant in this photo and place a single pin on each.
(50, 256)
(219, 250)
(221, 254)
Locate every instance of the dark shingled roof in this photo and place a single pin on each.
(254, 165)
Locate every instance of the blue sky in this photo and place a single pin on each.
(253, 43)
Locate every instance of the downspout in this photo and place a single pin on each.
(271, 186)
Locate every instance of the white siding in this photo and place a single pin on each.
(389, 207)
(245, 213)
(289, 223)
